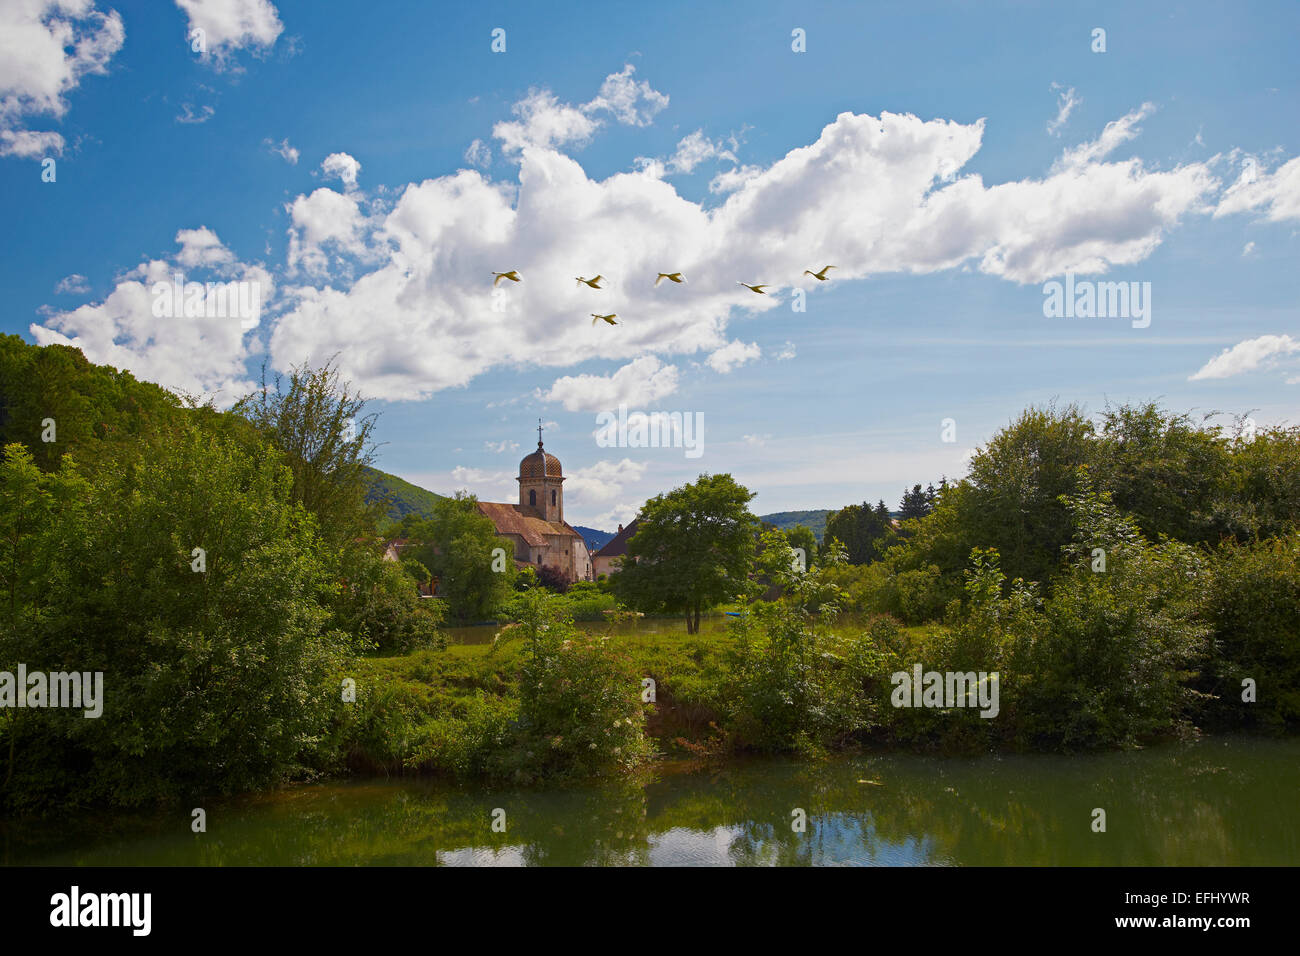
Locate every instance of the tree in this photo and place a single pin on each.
(801, 536)
(92, 411)
(456, 543)
(317, 421)
(1167, 472)
(693, 548)
(916, 503)
(859, 528)
(189, 577)
(1016, 486)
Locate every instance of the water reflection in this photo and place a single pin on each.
(1223, 801)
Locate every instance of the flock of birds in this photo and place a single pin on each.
(611, 319)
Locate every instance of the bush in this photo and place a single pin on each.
(379, 603)
(215, 680)
(580, 710)
(793, 684)
(1116, 648)
(585, 601)
(1252, 604)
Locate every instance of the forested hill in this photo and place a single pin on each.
(595, 539)
(403, 497)
(814, 521)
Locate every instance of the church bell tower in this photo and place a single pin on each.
(541, 483)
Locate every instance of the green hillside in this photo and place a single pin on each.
(403, 497)
(814, 521)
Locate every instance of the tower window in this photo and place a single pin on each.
(532, 498)
(552, 497)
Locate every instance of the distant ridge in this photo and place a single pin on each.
(814, 521)
(595, 539)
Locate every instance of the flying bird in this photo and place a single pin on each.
(670, 276)
(819, 275)
(754, 288)
(608, 318)
(512, 275)
(594, 283)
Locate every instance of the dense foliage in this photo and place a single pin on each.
(692, 549)
(1128, 579)
(217, 568)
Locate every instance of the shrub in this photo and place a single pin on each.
(1116, 649)
(580, 709)
(1252, 602)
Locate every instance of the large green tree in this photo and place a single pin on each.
(319, 424)
(860, 529)
(693, 548)
(457, 544)
(193, 582)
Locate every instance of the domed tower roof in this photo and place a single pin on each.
(540, 464)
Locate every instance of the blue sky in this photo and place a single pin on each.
(368, 166)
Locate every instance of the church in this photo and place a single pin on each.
(535, 527)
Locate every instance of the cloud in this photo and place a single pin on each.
(733, 355)
(341, 166)
(1116, 133)
(325, 227)
(284, 151)
(632, 103)
(72, 285)
(479, 154)
(758, 441)
(1248, 248)
(501, 446)
(620, 514)
(189, 116)
(230, 26)
(1276, 193)
(691, 151)
(1065, 104)
(602, 481)
(787, 352)
(399, 288)
(638, 383)
(728, 181)
(46, 48)
(1261, 352)
(196, 354)
(200, 248)
(544, 122)
(472, 477)
(885, 193)
(695, 149)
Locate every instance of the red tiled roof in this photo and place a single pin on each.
(616, 546)
(514, 519)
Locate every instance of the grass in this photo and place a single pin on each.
(418, 692)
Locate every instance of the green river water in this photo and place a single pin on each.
(1216, 801)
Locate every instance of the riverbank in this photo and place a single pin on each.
(725, 692)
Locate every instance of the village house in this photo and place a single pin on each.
(609, 559)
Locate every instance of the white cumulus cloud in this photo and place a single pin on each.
(733, 355)
(1260, 352)
(46, 48)
(196, 354)
(229, 26)
(638, 383)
